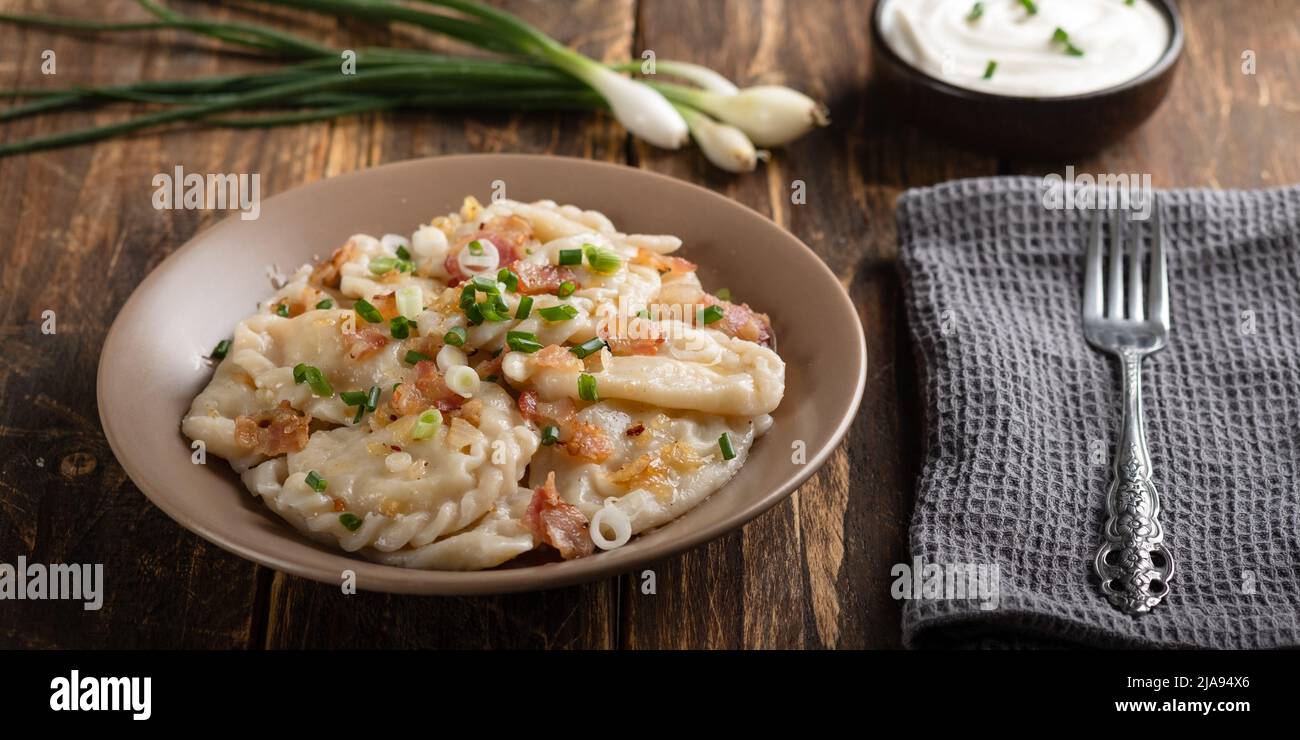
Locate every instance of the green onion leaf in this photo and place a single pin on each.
(282, 310)
(587, 388)
(400, 327)
(427, 424)
(351, 521)
(570, 256)
(413, 357)
(563, 312)
(602, 260)
(550, 435)
(976, 11)
(1030, 6)
(494, 309)
(304, 373)
(990, 69)
(456, 337)
(381, 265)
(361, 413)
(316, 482)
(475, 247)
(466, 297)
(474, 315)
(588, 347)
(1061, 37)
(372, 400)
(219, 351)
(724, 295)
(724, 443)
(644, 313)
(484, 284)
(525, 307)
(328, 303)
(402, 253)
(504, 275)
(711, 314)
(353, 398)
(366, 310)
(522, 341)
(566, 289)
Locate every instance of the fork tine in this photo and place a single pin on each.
(1158, 285)
(1115, 287)
(1135, 274)
(1092, 270)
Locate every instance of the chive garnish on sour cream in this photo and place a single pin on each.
(1030, 6)
(990, 69)
(1061, 37)
(976, 11)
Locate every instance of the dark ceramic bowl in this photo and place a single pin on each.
(1024, 127)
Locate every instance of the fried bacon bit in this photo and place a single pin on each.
(275, 432)
(471, 411)
(648, 472)
(557, 522)
(741, 321)
(555, 357)
(535, 279)
(328, 273)
(490, 368)
(643, 338)
(662, 262)
(636, 430)
(364, 343)
(339, 505)
(424, 389)
(578, 438)
(509, 234)
(386, 304)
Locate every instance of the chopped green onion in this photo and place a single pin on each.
(724, 295)
(304, 373)
(456, 336)
(711, 314)
(588, 347)
(402, 253)
(1030, 6)
(484, 284)
(474, 315)
(372, 400)
(724, 443)
(525, 307)
(399, 327)
(504, 275)
(523, 341)
(566, 289)
(602, 260)
(282, 310)
(644, 313)
(562, 312)
(494, 309)
(381, 265)
(466, 297)
(976, 11)
(410, 301)
(990, 69)
(353, 398)
(550, 435)
(361, 413)
(1061, 37)
(316, 482)
(366, 310)
(427, 424)
(570, 256)
(413, 357)
(219, 351)
(325, 304)
(351, 521)
(475, 247)
(587, 388)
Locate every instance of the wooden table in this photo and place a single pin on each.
(80, 233)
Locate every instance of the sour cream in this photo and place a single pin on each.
(940, 37)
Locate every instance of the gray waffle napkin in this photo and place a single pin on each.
(1021, 416)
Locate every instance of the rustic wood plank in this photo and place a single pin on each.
(814, 571)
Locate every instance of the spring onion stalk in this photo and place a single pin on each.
(722, 144)
(696, 74)
(770, 115)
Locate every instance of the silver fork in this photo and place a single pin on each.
(1133, 564)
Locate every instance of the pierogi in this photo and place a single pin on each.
(511, 377)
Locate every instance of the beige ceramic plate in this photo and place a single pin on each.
(152, 363)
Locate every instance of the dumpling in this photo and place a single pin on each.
(661, 463)
(402, 494)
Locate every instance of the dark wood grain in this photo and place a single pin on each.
(80, 233)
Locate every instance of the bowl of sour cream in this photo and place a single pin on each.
(1027, 78)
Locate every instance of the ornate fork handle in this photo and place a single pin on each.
(1133, 563)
